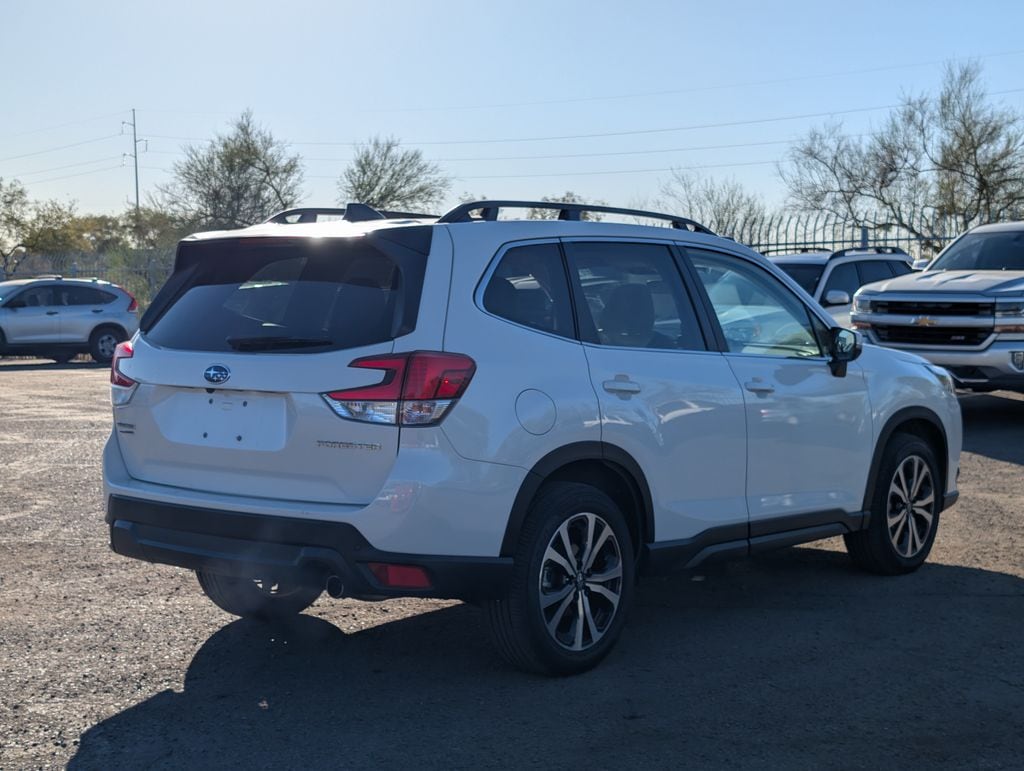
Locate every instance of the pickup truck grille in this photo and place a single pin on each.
(920, 308)
(951, 336)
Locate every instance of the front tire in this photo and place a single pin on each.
(904, 511)
(256, 598)
(572, 583)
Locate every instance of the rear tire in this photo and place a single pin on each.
(572, 583)
(102, 343)
(253, 598)
(904, 511)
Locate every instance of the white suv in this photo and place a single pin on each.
(57, 318)
(526, 414)
(833, 278)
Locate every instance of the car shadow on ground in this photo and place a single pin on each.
(993, 426)
(29, 365)
(790, 660)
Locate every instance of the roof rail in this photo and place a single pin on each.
(55, 276)
(353, 212)
(566, 211)
(867, 250)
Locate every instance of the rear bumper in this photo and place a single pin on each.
(310, 551)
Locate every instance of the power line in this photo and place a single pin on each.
(66, 166)
(598, 135)
(59, 147)
(591, 173)
(65, 125)
(698, 89)
(80, 174)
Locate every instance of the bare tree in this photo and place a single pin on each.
(953, 158)
(238, 179)
(568, 197)
(724, 206)
(385, 176)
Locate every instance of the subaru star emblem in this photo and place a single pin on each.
(217, 373)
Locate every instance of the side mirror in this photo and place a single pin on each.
(836, 297)
(845, 347)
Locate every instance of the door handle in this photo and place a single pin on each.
(621, 386)
(759, 387)
(97, 310)
(52, 313)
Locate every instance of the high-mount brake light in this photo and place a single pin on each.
(418, 388)
(122, 387)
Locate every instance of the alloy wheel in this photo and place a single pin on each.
(911, 508)
(580, 581)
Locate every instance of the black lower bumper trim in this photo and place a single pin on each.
(256, 545)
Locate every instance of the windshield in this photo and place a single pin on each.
(807, 276)
(984, 251)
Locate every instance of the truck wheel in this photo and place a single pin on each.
(255, 598)
(572, 583)
(904, 512)
(102, 343)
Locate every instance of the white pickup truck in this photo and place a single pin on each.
(964, 313)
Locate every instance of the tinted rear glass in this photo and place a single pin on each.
(807, 276)
(287, 296)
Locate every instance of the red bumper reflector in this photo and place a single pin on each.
(400, 576)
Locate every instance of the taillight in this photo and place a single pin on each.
(417, 389)
(121, 386)
(133, 306)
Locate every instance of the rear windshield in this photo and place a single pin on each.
(807, 276)
(286, 295)
(984, 251)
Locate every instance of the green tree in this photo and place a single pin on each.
(34, 227)
(238, 179)
(385, 176)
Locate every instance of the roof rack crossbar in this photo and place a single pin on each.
(353, 212)
(867, 250)
(488, 210)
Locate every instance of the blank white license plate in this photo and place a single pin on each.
(225, 419)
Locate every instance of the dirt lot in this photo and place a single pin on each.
(793, 660)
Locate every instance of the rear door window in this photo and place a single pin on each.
(286, 295)
(633, 296)
(85, 295)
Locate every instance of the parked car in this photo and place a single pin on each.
(965, 312)
(525, 414)
(57, 318)
(832, 278)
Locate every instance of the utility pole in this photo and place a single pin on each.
(135, 157)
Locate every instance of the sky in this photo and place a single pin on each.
(513, 100)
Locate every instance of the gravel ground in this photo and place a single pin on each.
(793, 660)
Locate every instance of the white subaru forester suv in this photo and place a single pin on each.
(524, 414)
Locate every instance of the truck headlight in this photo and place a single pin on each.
(943, 376)
(861, 304)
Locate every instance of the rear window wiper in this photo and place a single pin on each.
(269, 343)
